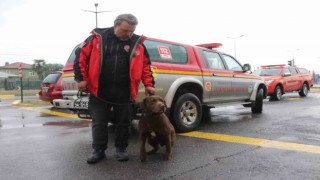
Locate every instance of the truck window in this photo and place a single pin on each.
(293, 71)
(304, 71)
(268, 72)
(213, 60)
(72, 56)
(166, 52)
(287, 71)
(232, 64)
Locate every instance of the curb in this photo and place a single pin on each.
(7, 96)
(16, 102)
(11, 96)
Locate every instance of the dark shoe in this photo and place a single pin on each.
(122, 154)
(96, 156)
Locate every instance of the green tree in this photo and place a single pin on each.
(39, 67)
(54, 67)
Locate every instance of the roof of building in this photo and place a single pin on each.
(17, 65)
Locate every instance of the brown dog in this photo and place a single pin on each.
(155, 126)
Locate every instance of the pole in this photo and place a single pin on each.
(96, 5)
(235, 48)
(235, 44)
(21, 89)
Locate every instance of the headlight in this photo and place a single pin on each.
(268, 82)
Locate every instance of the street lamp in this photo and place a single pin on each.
(235, 44)
(96, 12)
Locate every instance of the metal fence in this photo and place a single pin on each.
(15, 84)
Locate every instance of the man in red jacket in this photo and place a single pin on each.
(110, 65)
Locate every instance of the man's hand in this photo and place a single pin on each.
(149, 91)
(83, 86)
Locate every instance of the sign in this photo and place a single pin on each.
(164, 52)
(20, 71)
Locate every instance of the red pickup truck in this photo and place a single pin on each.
(191, 79)
(282, 79)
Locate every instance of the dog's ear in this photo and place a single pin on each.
(164, 101)
(144, 103)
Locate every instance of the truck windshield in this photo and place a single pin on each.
(268, 72)
(51, 78)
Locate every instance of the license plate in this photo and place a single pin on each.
(81, 104)
(45, 89)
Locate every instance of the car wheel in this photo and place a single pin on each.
(186, 113)
(258, 105)
(277, 93)
(304, 90)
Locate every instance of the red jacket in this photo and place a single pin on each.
(88, 65)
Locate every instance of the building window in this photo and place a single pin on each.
(31, 73)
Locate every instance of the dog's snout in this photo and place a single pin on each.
(163, 107)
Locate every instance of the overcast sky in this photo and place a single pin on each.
(274, 31)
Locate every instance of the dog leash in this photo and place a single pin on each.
(80, 95)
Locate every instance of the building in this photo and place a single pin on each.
(9, 76)
(27, 70)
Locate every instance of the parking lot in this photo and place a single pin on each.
(39, 142)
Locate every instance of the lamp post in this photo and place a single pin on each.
(235, 44)
(96, 12)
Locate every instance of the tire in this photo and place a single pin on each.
(258, 104)
(304, 90)
(186, 113)
(277, 94)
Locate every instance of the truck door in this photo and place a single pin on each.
(296, 78)
(216, 79)
(290, 80)
(242, 86)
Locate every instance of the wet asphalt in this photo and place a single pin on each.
(38, 145)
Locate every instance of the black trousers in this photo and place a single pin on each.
(100, 110)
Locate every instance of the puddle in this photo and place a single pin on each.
(15, 126)
(71, 124)
(230, 114)
(230, 118)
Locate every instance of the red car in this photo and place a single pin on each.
(51, 87)
(282, 79)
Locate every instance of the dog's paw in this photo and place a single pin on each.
(167, 157)
(143, 158)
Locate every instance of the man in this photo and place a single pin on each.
(110, 65)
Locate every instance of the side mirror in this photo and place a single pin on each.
(246, 67)
(287, 74)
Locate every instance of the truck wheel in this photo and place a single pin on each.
(186, 113)
(257, 107)
(304, 90)
(277, 93)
